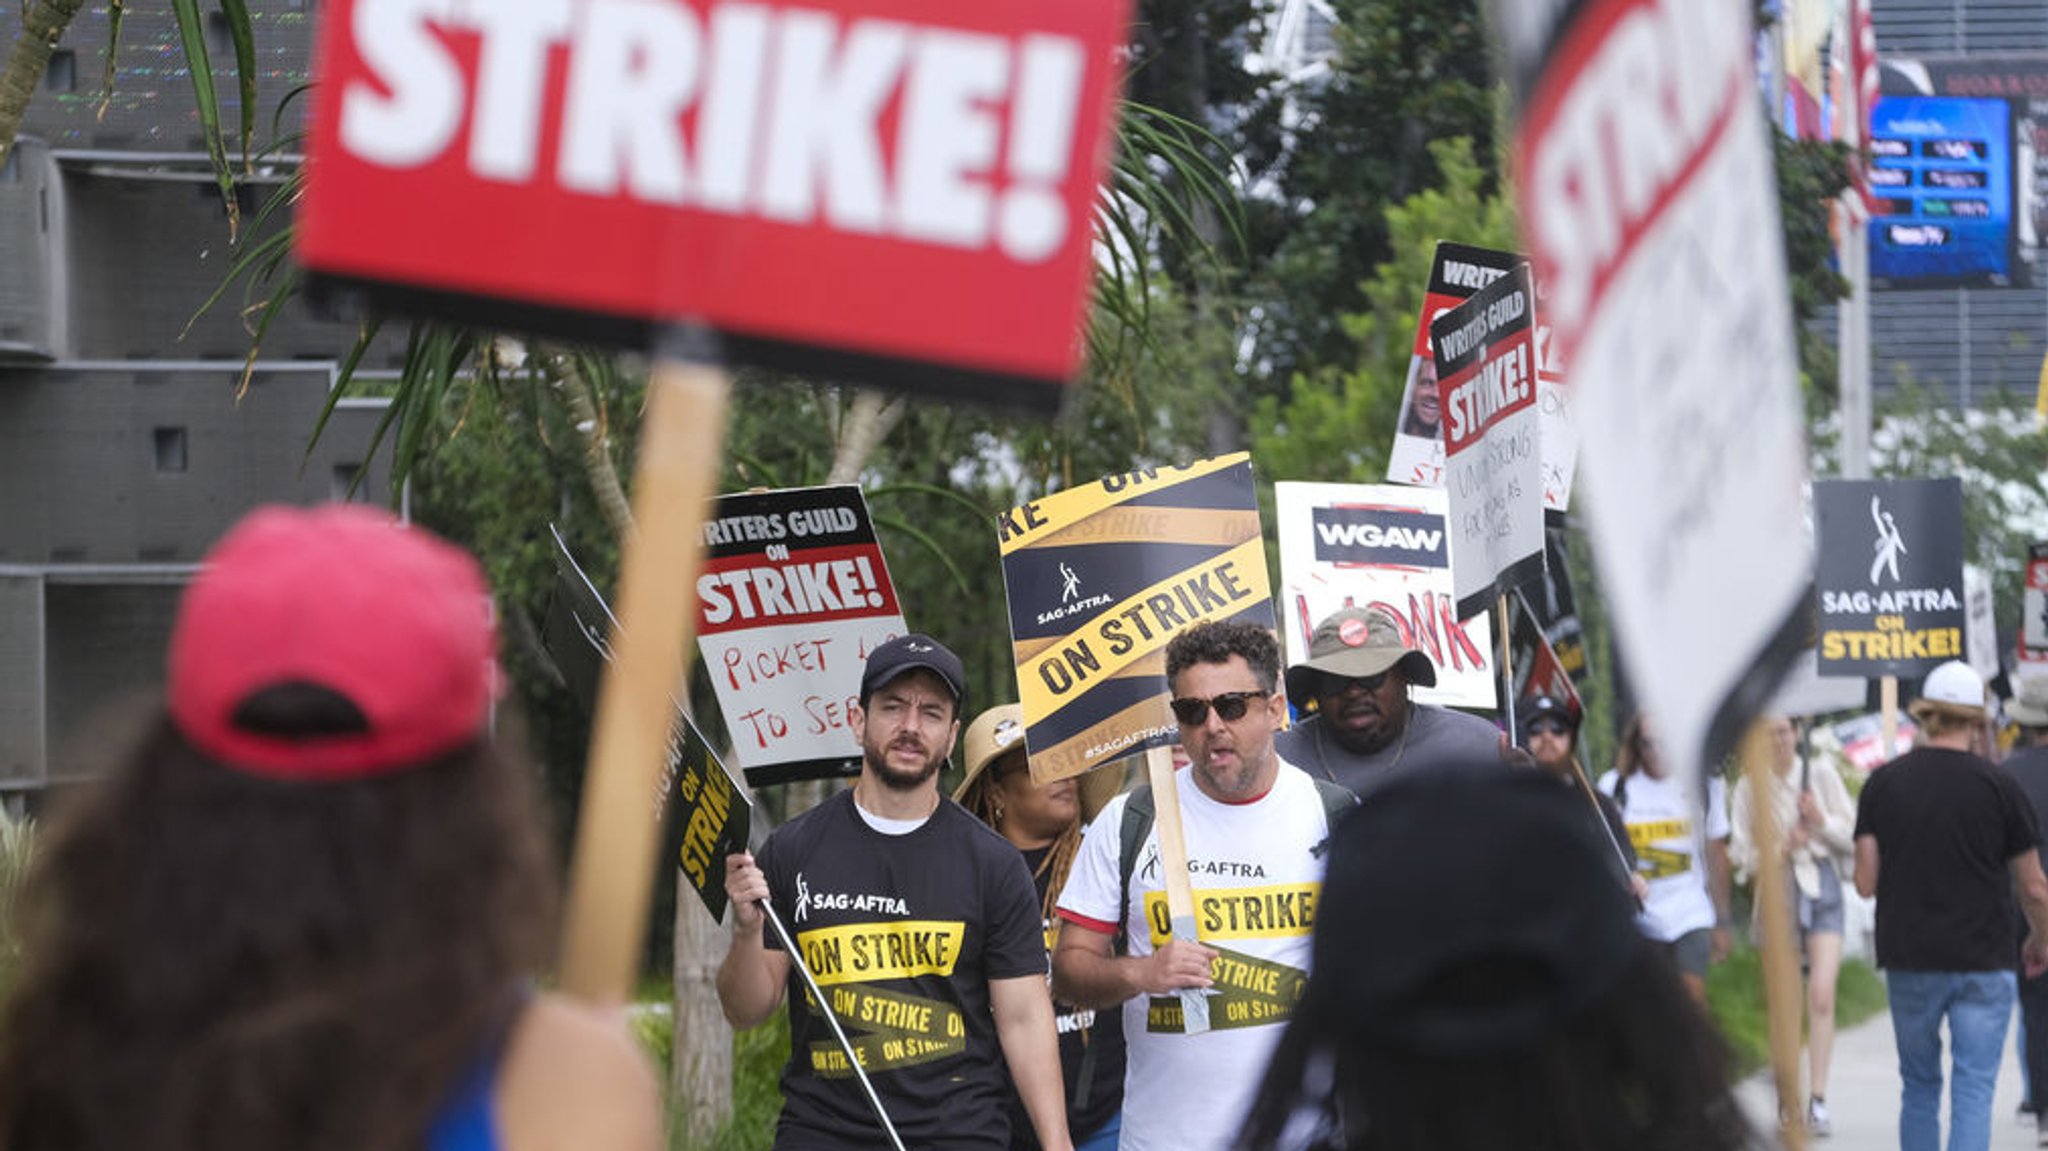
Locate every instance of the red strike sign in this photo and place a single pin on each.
(892, 189)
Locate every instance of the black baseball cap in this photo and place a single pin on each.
(908, 653)
(1533, 708)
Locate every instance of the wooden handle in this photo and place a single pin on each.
(1173, 868)
(612, 873)
(1782, 991)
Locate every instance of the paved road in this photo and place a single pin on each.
(1863, 1093)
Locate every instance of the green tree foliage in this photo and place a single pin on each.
(1336, 423)
(2001, 455)
(1407, 73)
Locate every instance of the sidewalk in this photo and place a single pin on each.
(1863, 1094)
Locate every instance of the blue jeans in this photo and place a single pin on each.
(1978, 1005)
(1106, 1138)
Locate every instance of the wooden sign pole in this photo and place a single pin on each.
(682, 439)
(1888, 704)
(1173, 865)
(1782, 995)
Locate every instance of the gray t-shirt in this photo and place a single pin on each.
(1434, 735)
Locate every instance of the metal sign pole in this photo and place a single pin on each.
(831, 1018)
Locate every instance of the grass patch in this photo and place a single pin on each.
(758, 1057)
(1735, 996)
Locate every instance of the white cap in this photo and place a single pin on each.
(1955, 683)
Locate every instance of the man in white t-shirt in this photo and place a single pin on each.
(1254, 828)
(1681, 842)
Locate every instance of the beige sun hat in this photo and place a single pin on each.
(1000, 730)
(1356, 642)
(2029, 704)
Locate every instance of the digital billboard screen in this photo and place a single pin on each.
(1941, 182)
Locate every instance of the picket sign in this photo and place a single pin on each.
(899, 192)
(1173, 864)
(610, 874)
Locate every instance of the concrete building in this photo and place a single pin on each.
(129, 439)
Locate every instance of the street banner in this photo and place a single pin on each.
(1389, 547)
(1890, 576)
(1485, 351)
(1651, 217)
(2034, 607)
(891, 191)
(704, 813)
(1535, 664)
(794, 594)
(1100, 577)
(1456, 272)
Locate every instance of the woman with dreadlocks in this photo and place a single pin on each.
(1044, 822)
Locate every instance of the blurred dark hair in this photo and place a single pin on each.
(1216, 641)
(219, 960)
(1641, 1070)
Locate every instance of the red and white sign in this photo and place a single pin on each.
(793, 595)
(1456, 272)
(1644, 172)
(881, 187)
(2034, 607)
(1485, 351)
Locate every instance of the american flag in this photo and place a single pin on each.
(1854, 59)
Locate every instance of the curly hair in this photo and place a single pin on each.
(1215, 641)
(218, 960)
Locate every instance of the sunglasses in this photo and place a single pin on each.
(1230, 706)
(1549, 727)
(1339, 684)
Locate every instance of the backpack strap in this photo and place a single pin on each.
(1137, 822)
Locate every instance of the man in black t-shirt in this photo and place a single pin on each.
(1943, 839)
(2028, 764)
(922, 927)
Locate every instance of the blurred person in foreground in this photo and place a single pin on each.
(2028, 764)
(1681, 848)
(304, 910)
(1944, 841)
(1816, 820)
(1043, 821)
(1478, 982)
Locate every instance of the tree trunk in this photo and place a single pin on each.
(595, 447)
(702, 1095)
(44, 25)
(868, 422)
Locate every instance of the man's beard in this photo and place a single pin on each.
(895, 780)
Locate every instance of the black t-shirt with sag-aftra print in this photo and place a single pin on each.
(904, 933)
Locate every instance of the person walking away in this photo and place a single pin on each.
(1817, 819)
(306, 906)
(1943, 841)
(2028, 765)
(1043, 821)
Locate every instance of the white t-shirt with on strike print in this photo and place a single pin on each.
(1257, 873)
(1666, 829)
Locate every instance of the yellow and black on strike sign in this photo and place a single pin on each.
(1100, 577)
(1889, 577)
